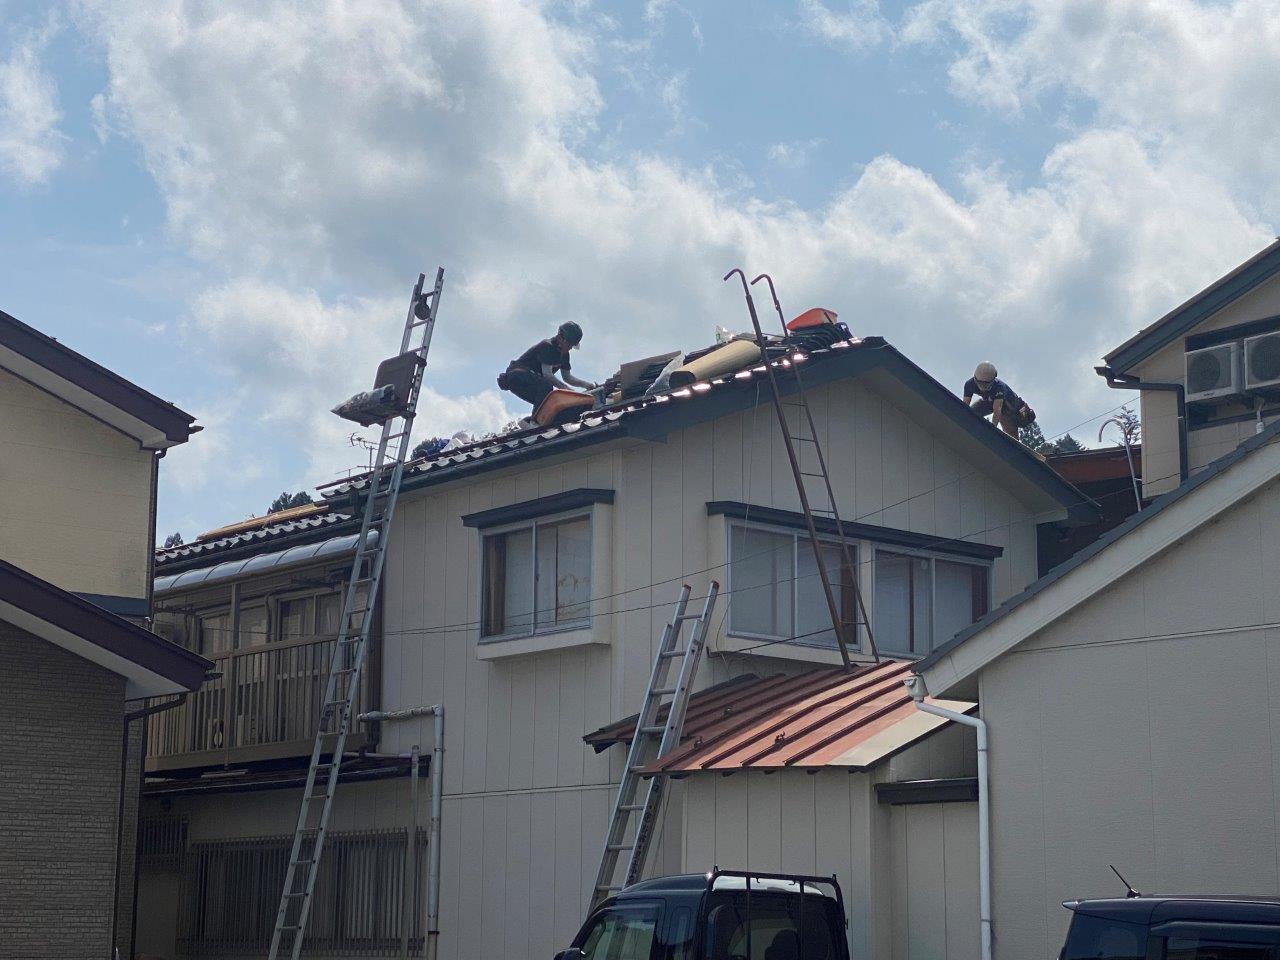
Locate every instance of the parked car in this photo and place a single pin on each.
(721, 915)
(1174, 928)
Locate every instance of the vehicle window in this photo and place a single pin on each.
(680, 930)
(1183, 948)
(624, 933)
(772, 931)
(1096, 938)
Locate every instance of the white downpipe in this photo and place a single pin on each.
(437, 808)
(916, 687)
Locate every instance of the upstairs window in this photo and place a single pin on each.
(923, 601)
(537, 577)
(776, 592)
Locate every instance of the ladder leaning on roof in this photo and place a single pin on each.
(807, 433)
(348, 659)
(653, 738)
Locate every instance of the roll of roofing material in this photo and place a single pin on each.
(560, 406)
(732, 356)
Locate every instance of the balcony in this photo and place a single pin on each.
(264, 706)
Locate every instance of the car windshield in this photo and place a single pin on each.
(621, 933)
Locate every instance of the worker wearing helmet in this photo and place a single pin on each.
(994, 397)
(532, 375)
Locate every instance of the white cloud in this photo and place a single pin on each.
(794, 153)
(318, 162)
(31, 145)
(859, 28)
(1196, 80)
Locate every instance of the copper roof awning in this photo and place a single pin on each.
(820, 718)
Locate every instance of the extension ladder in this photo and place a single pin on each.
(349, 652)
(653, 738)
(806, 432)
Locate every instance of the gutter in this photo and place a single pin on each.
(916, 687)
(1125, 381)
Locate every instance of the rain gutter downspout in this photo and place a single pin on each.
(1124, 381)
(916, 687)
(432, 945)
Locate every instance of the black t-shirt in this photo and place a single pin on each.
(543, 353)
(999, 391)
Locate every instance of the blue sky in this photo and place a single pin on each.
(228, 202)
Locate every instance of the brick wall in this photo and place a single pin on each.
(59, 795)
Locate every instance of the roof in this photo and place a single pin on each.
(825, 717)
(1107, 546)
(1164, 909)
(261, 562)
(653, 417)
(1098, 464)
(273, 517)
(249, 541)
(46, 363)
(152, 665)
(1177, 322)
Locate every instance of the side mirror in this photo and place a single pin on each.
(573, 953)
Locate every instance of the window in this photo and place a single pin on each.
(537, 578)
(622, 933)
(1100, 938)
(923, 601)
(776, 590)
(768, 926)
(1213, 948)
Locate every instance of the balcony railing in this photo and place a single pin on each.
(265, 705)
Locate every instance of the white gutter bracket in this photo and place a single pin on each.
(916, 687)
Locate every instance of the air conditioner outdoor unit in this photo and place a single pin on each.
(1213, 372)
(1262, 361)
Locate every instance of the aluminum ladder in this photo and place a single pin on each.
(653, 738)
(807, 433)
(349, 652)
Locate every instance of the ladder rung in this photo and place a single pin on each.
(665, 691)
(668, 654)
(611, 886)
(621, 846)
(804, 439)
(632, 807)
(300, 893)
(657, 728)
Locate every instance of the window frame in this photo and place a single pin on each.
(933, 556)
(855, 547)
(532, 524)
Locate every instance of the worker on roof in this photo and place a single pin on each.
(996, 399)
(532, 375)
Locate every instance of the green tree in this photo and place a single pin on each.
(1065, 444)
(1033, 438)
(172, 540)
(287, 500)
(1130, 425)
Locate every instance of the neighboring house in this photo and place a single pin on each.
(528, 579)
(1207, 372)
(77, 522)
(1130, 694)
(1106, 476)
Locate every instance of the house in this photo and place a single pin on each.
(1129, 694)
(77, 523)
(1109, 476)
(528, 578)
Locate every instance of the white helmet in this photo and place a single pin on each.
(985, 373)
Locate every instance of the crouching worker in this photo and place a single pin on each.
(532, 375)
(994, 398)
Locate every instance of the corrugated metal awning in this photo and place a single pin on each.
(820, 718)
(230, 569)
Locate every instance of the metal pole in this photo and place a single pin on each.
(410, 898)
(431, 945)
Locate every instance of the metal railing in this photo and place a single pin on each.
(265, 704)
(229, 886)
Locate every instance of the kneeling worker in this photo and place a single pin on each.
(995, 398)
(532, 375)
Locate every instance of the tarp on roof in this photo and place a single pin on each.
(825, 717)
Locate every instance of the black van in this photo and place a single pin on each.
(719, 915)
(1174, 928)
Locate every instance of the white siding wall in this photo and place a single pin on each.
(1142, 730)
(526, 800)
(77, 507)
